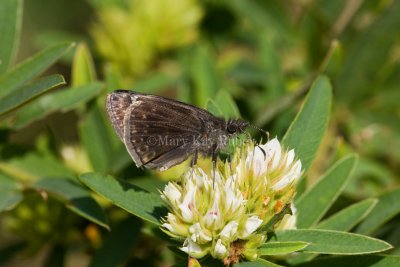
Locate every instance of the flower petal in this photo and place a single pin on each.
(250, 226)
(198, 235)
(171, 193)
(213, 214)
(220, 250)
(188, 204)
(229, 231)
(289, 157)
(193, 249)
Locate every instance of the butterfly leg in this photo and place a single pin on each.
(194, 159)
(193, 162)
(263, 151)
(214, 163)
(229, 159)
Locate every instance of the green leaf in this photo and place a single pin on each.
(27, 92)
(314, 203)
(133, 199)
(257, 263)
(279, 248)
(223, 106)
(370, 57)
(343, 220)
(204, 76)
(149, 184)
(333, 242)
(77, 199)
(213, 108)
(31, 67)
(373, 175)
(94, 135)
(10, 193)
(10, 29)
(63, 100)
(307, 129)
(258, 16)
(385, 210)
(359, 261)
(347, 218)
(271, 63)
(83, 70)
(113, 79)
(32, 166)
(154, 83)
(227, 105)
(118, 243)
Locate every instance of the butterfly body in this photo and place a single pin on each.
(160, 133)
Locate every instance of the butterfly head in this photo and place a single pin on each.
(234, 127)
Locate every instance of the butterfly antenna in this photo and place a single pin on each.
(261, 130)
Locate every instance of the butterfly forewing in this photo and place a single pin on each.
(158, 132)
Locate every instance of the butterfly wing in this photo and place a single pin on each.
(158, 132)
(117, 104)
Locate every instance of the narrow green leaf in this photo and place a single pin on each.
(32, 166)
(213, 108)
(314, 203)
(257, 15)
(133, 199)
(27, 92)
(385, 210)
(118, 244)
(307, 129)
(77, 199)
(113, 78)
(246, 73)
(63, 100)
(10, 193)
(347, 218)
(343, 220)
(279, 248)
(10, 29)
(154, 83)
(83, 70)
(257, 263)
(333, 242)
(204, 76)
(94, 135)
(359, 261)
(271, 63)
(227, 105)
(31, 67)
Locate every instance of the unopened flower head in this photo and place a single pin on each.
(229, 219)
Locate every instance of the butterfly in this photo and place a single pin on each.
(160, 133)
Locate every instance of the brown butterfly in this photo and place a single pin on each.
(160, 133)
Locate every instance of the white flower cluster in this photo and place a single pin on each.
(225, 219)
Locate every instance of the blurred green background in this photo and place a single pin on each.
(253, 59)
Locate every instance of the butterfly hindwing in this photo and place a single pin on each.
(117, 104)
